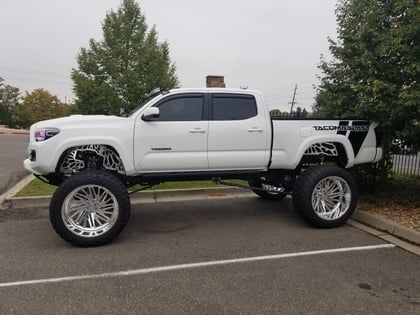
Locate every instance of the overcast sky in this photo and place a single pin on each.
(268, 45)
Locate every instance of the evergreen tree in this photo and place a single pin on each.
(118, 71)
(375, 73)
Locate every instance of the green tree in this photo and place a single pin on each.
(376, 68)
(275, 112)
(9, 99)
(118, 71)
(40, 105)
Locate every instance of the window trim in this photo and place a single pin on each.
(204, 114)
(231, 95)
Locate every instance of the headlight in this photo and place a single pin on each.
(43, 134)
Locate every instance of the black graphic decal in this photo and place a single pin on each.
(342, 123)
(356, 138)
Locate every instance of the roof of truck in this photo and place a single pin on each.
(214, 90)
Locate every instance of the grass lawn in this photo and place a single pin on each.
(39, 188)
(396, 197)
(404, 191)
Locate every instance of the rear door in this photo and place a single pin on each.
(238, 133)
(177, 139)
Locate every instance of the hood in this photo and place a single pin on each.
(77, 120)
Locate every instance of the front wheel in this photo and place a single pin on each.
(325, 196)
(90, 208)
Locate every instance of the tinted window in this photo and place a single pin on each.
(234, 107)
(187, 108)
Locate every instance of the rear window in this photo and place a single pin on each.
(233, 107)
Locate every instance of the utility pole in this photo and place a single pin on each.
(292, 103)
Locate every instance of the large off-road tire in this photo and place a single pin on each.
(90, 208)
(325, 196)
(268, 192)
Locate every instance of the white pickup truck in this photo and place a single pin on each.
(195, 134)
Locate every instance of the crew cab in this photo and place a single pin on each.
(196, 134)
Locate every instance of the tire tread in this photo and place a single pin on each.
(303, 191)
(88, 177)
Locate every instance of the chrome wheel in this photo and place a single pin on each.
(90, 211)
(331, 198)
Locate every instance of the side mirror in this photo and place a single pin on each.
(150, 114)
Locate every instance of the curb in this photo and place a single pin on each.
(8, 195)
(152, 196)
(388, 226)
(14, 132)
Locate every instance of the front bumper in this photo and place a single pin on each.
(35, 167)
(41, 157)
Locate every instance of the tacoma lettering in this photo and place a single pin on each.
(361, 128)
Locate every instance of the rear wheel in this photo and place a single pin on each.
(325, 196)
(267, 191)
(90, 208)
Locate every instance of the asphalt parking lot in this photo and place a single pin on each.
(216, 256)
(12, 154)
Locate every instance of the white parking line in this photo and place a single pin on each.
(192, 265)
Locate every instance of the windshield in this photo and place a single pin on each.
(137, 108)
(148, 98)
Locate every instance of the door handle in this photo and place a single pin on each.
(255, 129)
(197, 130)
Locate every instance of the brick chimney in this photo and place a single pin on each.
(215, 81)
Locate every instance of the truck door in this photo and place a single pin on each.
(238, 133)
(176, 140)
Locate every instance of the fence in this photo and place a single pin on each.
(406, 164)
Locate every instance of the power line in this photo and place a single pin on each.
(35, 71)
(283, 91)
(36, 80)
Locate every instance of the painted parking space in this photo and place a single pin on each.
(204, 264)
(244, 256)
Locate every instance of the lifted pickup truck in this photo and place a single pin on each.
(195, 134)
